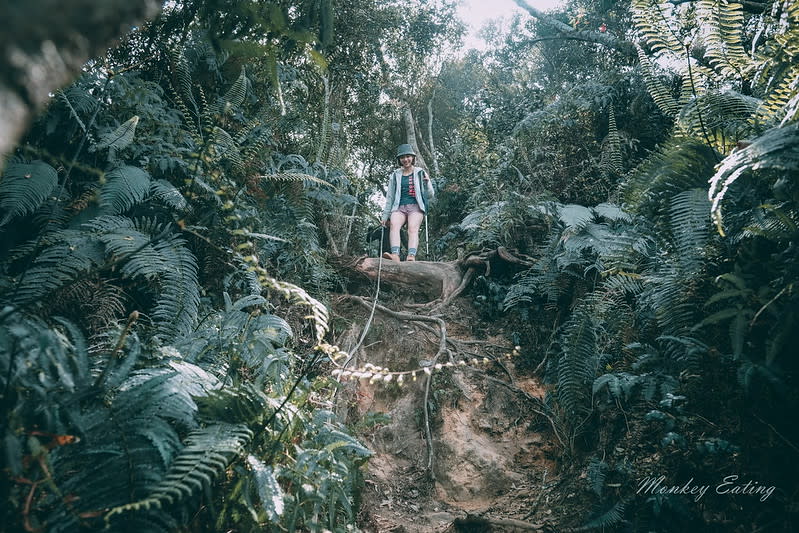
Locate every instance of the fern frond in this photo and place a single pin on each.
(575, 217)
(319, 313)
(168, 194)
(577, 364)
(627, 282)
(723, 29)
(678, 165)
(690, 225)
(608, 518)
(295, 177)
(65, 97)
(655, 21)
(121, 137)
(58, 265)
(269, 491)
(244, 404)
(657, 90)
(774, 150)
(24, 187)
(612, 144)
(125, 187)
(223, 146)
(696, 81)
(129, 439)
(99, 302)
(597, 471)
(778, 102)
(185, 93)
(667, 292)
(207, 454)
(234, 97)
(721, 118)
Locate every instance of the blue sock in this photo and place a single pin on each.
(395, 250)
(411, 251)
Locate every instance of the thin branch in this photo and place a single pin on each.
(567, 32)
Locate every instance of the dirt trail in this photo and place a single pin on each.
(495, 460)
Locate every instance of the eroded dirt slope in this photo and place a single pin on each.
(494, 465)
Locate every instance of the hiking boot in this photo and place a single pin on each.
(410, 258)
(393, 257)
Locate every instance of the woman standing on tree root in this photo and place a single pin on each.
(409, 191)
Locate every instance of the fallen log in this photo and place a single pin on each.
(434, 280)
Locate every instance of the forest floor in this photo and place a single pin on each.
(496, 459)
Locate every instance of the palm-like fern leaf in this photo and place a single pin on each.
(655, 21)
(774, 150)
(168, 194)
(269, 491)
(176, 310)
(721, 118)
(24, 187)
(79, 102)
(121, 137)
(612, 144)
(723, 29)
(575, 217)
(690, 218)
(609, 517)
(207, 453)
(58, 265)
(125, 187)
(224, 146)
(577, 365)
(660, 94)
(234, 97)
(244, 404)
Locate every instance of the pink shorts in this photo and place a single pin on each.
(407, 209)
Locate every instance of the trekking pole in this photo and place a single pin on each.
(426, 240)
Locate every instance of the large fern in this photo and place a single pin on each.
(125, 187)
(24, 187)
(722, 25)
(577, 365)
(722, 119)
(773, 151)
(207, 453)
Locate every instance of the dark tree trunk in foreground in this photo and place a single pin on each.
(44, 44)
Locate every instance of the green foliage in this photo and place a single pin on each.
(206, 454)
(24, 187)
(774, 151)
(124, 188)
(188, 413)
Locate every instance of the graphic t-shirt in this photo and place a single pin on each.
(408, 192)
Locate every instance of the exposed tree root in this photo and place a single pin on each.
(442, 349)
(399, 315)
(480, 523)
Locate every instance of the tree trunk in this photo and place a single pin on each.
(436, 171)
(410, 132)
(44, 44)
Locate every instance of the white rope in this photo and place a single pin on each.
(374, 304)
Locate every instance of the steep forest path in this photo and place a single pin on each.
(465, 447)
